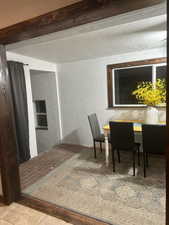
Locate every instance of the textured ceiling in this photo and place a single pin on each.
(134, 31)
(136, 36)
(15, 11)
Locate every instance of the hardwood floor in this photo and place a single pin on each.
(17, 214)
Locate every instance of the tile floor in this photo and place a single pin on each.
(16, 214)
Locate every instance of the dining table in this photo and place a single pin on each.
(137, 128)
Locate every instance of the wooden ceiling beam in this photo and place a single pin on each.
(83, 12)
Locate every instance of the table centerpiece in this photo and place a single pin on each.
(151, 94)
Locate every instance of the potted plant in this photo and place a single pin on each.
(152, 95)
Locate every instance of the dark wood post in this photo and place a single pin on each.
(167, 117)
(9, 166)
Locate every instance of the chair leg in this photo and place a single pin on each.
(138, 156)
(94, 144)
(118, 153)
(113, 160)
(144, 160)
(134, 163)
(101, 147)
(147, 163)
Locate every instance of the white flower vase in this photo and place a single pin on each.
(151, 116)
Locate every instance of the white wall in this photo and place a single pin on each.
(32, 134)
(36, 65)
(44, 88)
(83, 90)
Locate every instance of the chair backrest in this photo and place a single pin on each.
(122, 135)
(154, 138)
(94, 125)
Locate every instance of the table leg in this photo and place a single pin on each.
(107, 150)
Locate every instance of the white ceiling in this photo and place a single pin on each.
(140, 30)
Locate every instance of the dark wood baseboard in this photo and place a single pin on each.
(59, 212)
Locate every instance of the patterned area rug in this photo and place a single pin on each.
(86, 185)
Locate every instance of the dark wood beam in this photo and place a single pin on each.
(9, 166)
(167, 117)
(83, 12)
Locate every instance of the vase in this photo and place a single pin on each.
(151, 116)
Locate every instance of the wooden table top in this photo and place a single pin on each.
(137, 124)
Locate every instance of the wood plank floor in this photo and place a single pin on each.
(17, 214)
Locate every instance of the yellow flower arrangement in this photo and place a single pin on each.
(151, 94)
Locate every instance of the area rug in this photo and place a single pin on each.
(86, 185)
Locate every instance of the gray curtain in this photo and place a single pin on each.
(18, 88)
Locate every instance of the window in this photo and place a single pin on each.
(124, 78)
(41, 114)
(161, 72)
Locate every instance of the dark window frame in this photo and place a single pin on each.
(111, 67)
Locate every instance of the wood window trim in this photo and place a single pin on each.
(125, 65)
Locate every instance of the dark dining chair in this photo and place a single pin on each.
(122, 138)
(96, 132)
(154, 141)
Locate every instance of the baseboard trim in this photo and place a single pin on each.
(59, 212)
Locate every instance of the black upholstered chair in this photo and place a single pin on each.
(122, 138)
(96, 132)
(154, 141)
